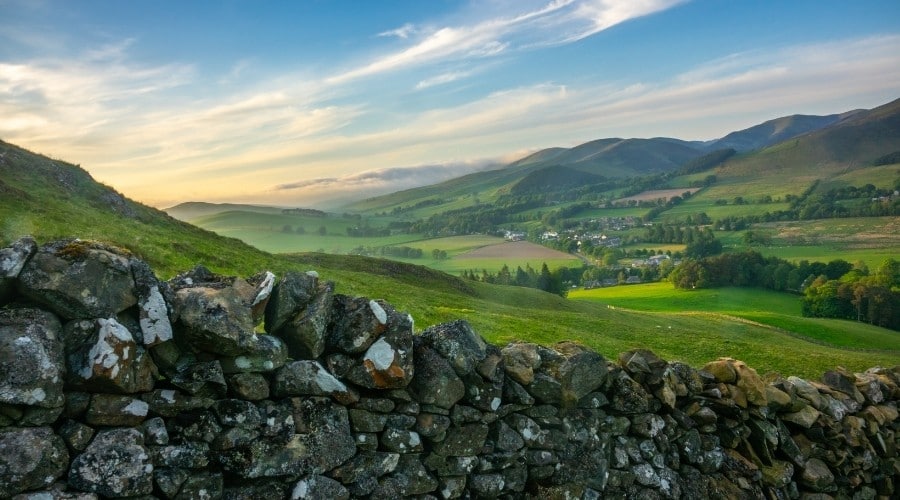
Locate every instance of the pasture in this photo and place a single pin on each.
(777, 310)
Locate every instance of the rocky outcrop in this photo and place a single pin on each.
(114, 385)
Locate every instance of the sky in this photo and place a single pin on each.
(313, 103)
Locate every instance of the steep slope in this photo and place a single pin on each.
(553, 179)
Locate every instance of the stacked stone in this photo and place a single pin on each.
(114, 384)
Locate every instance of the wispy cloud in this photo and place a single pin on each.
(556, 22)
(442, 79)
(403, 32)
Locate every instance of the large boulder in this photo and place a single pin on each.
(559, 375)
(79, 279)
(103, 356)
(12, 261)
(388, 362)
(299, 312)
(436, 382)
(31, 458)
(215, 314)
(116, 464)
(31, 358)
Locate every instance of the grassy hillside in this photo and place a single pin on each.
(51, 199)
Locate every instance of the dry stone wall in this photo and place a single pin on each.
(114, 384)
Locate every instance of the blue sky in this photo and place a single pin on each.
(310, 103)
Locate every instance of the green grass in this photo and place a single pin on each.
(50, 200)
(776, 309)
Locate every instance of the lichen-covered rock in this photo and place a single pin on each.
(249, 386)
(267, 354)
(362, 471)
(299, 312)
(31, 358)
(103, 356)
(316, 487)
(205, 380)
(458, 343)
(30, 458)
(408, 479)
(169, 402)
(463, 440)
(116, 411)
(152, 307)
(357, 323)
(388, 362)
(817, 476)
(214, 312)
(12, 261)
(116, 464)
(79, 279)
(629, 397)
(309, 378)
(436, 382)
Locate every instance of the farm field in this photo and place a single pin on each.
(774, 309)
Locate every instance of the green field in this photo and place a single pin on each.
(775, 309)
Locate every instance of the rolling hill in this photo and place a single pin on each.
(833, 141)
(51, 199)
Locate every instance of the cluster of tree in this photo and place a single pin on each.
(553, 282)
(858, 294)
(309, 212)
(674, 234)
(751, 269)
(402, 252)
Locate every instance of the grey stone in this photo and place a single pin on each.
(463, 440)
(31, 458)
(299, 312)
(153, 310)
(365, 421)
(409, 478)
(629, 397)
(116, 464)
(435, 383)
(309, 378)
(76, 435)
(356, 324)
(249, 386)
(155, 431)
(319, 487)
(12, 260)
(169, 402)
(32, 369)
(817, 476)
(104, 356)
(188, 455)
(458, 343)
(237, 413)
(215, 313)
(401, 441)
(116, 411)
(79, 279)
(266, 354)
(388, 361)
(363, 466)
(204, 380)
(487, 485)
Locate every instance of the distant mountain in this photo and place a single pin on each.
(193, 209)
(774, 131)
(856, 140)
(799, 148)
(618, 157)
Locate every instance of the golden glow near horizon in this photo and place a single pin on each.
(415, 98)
